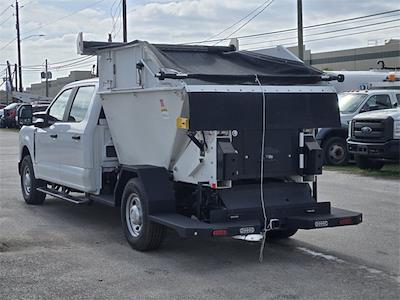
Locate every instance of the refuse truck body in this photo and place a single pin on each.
(206, 140)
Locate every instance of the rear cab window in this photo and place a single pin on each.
(80, 104)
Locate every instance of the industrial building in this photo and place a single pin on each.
(357, 59)
(56, 85)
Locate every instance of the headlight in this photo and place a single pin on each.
(349, 130)
(396, 129)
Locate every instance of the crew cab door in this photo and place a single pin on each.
(76, 142)
(47, 145)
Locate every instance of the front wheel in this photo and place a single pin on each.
(335, 151)
(142, 234)
(29, 183)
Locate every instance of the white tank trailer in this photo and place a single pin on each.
(221, 140)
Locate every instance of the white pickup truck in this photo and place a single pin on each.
(187, 150)
(333, 140)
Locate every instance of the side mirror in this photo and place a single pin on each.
(24, 115)
(40, 119)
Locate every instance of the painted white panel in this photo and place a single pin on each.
(143, 128)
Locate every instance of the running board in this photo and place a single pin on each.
(63, 196)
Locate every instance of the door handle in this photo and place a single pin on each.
(53, 136)
(76, 137)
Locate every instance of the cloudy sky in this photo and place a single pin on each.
(183, 21)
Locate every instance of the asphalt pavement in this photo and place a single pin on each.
(63, 251)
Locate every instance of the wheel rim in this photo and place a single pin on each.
(134, 215)
(26, 180)
(336, 153)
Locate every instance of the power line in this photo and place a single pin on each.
(332, 37)
(117, 11)
(6, 19)
(247, 22)
(51, 23)
(326, 32)
(4, 10)
(305, 27)
(72, 64)
(64, 17)
(237, 22)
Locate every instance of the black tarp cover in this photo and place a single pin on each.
(223, 64)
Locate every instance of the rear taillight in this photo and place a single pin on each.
(220, 232)
(346, 221)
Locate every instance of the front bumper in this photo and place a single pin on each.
(389, 150)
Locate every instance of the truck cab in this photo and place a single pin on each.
(333, 140)
(70, 139)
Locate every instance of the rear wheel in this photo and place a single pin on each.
(29, 183)
(281, 233)
(366, 163)
(142, 234)
(335, 151)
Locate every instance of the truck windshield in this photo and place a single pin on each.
(349, 102)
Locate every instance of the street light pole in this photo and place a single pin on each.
(18, 46)
(300, 29)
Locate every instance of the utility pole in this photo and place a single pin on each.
(16, 76)
(47, 80)
(300, 29)
(18, 46)
(7, 89)
(124, 21)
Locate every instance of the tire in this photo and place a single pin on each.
(141, 234)
(366, 163)
(29, 183)
(335, 151)
(281, 234)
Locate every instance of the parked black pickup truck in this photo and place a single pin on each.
(374, 138)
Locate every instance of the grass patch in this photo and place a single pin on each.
(388, 171)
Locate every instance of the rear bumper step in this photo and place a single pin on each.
(187, 227)
(337, 217)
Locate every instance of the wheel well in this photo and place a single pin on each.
(340, 132)
(25, 152)
(123, 178)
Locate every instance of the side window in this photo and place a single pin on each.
(57, 109)
(376, 102)
(398, 100)
(81, 103)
